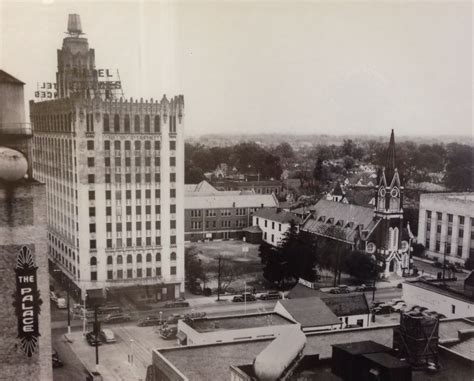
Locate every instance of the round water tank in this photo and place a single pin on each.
(13, 164)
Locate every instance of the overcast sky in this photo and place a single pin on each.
(269, 67)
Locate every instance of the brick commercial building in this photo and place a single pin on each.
(214, 214)
(25, 344)
(446, 226)
(114, 172)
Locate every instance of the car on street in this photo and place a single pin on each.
(383, 308)
(248, 297)
(150, 321)
(438, 265)
(168, 332)
(270, 296)
(399, 307)
(176, 304)
(117, 318)
(107, 336)
(90, 337)
(342, 289)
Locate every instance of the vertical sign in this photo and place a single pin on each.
(27, 301)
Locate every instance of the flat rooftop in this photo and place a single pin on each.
(212, 362)
(238, 322)
(463, 197)
(453, 289)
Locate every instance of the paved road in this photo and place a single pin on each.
(73, 370)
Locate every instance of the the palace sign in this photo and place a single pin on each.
(27, 301)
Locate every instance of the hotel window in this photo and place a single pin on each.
(148, 272)
(118, 226)
(157, 145)
(427, 243)
(461, 232)
(172, 145)
(147, 123)
(129, 273)
(148, 209)
(158, 271)
(157, 177)
(461, 220)
(109, 274)
(147, 145)
(428, 226)
(137, 145)
(172, 193)
(90, 162)
(137, 123)
(118, 178)
(117, 145)
(448, 248)
(128, 210)
(93, 244)
(91, 212)
(459, 252)
(119, 274)
(453, 309)
(450, 218)
(91, 228)
(91, 195)
(93, 275)
(172, 161)
(173, 270)
(147, 178)
(157, 225)
(273, 227)
(147, 161)
(450, 230)
(428, 214)
(128, 178)
(172, 208)
(438, 228)
(126, 123)
(106, 145)
(91, 179)
(108, 211)
(117, 123)
(265, 223)
(439, 216)
(138, 161)
(279, 227)
(106, 123)
(107, 178)
(90, 145)
(172, 177)
(138, 194)
(157, 193)
(157, 209)
(273, 238)
(138, 178)
(129, 242)
(157, 161)
(438, 246)
(108, 227)
(173, 240)
(119, 260)
(138, 209)
(138, 225)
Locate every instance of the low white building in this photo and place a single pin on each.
(351, 309)
(233, 328)
(454, 299)
(311, 313)
(274, 223)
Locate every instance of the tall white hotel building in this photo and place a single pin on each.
(114, 172)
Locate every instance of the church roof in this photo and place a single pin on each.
(339, 221)
(7, 78)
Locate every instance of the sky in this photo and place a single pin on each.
(312, 67)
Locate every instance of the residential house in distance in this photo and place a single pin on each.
(452, 298)
(213, 214)
(446, 226)
(272, 224)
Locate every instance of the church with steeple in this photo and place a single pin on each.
(378, 231)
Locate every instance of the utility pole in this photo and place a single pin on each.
(219, 278)
(84, 315)
(96, 334)
(68, 309)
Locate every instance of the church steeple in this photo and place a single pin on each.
(390, 159)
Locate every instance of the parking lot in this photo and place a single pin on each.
(127, 358)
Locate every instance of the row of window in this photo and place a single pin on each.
(137, 144)
(138, 259)
(439, 217)
(265, 223)
(91, 179)
(128, 226)
(196, 213)
(125, 122)
(129, 273)
(139, 242)
(128, 210)
(128, 161)
(213, 224)
(52, 123)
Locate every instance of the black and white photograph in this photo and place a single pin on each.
(243, 190)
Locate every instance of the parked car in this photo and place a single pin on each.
(173, 319)
(244, 297)
(107, 336)
(61, 303)
(168, 332)
(438, 265)
(90, 337)
(56, 361)
(342, 289)
(150, 321)
(176, 304)
(117, 318)
(270, 296)
(383, 308)
(399, 307)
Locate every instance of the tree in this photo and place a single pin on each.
(192, 174)
(285, 151)
(360, 265)
(460, 168)
(332, 251)
(193, 267)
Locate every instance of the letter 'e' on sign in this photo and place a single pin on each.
(27, 301)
